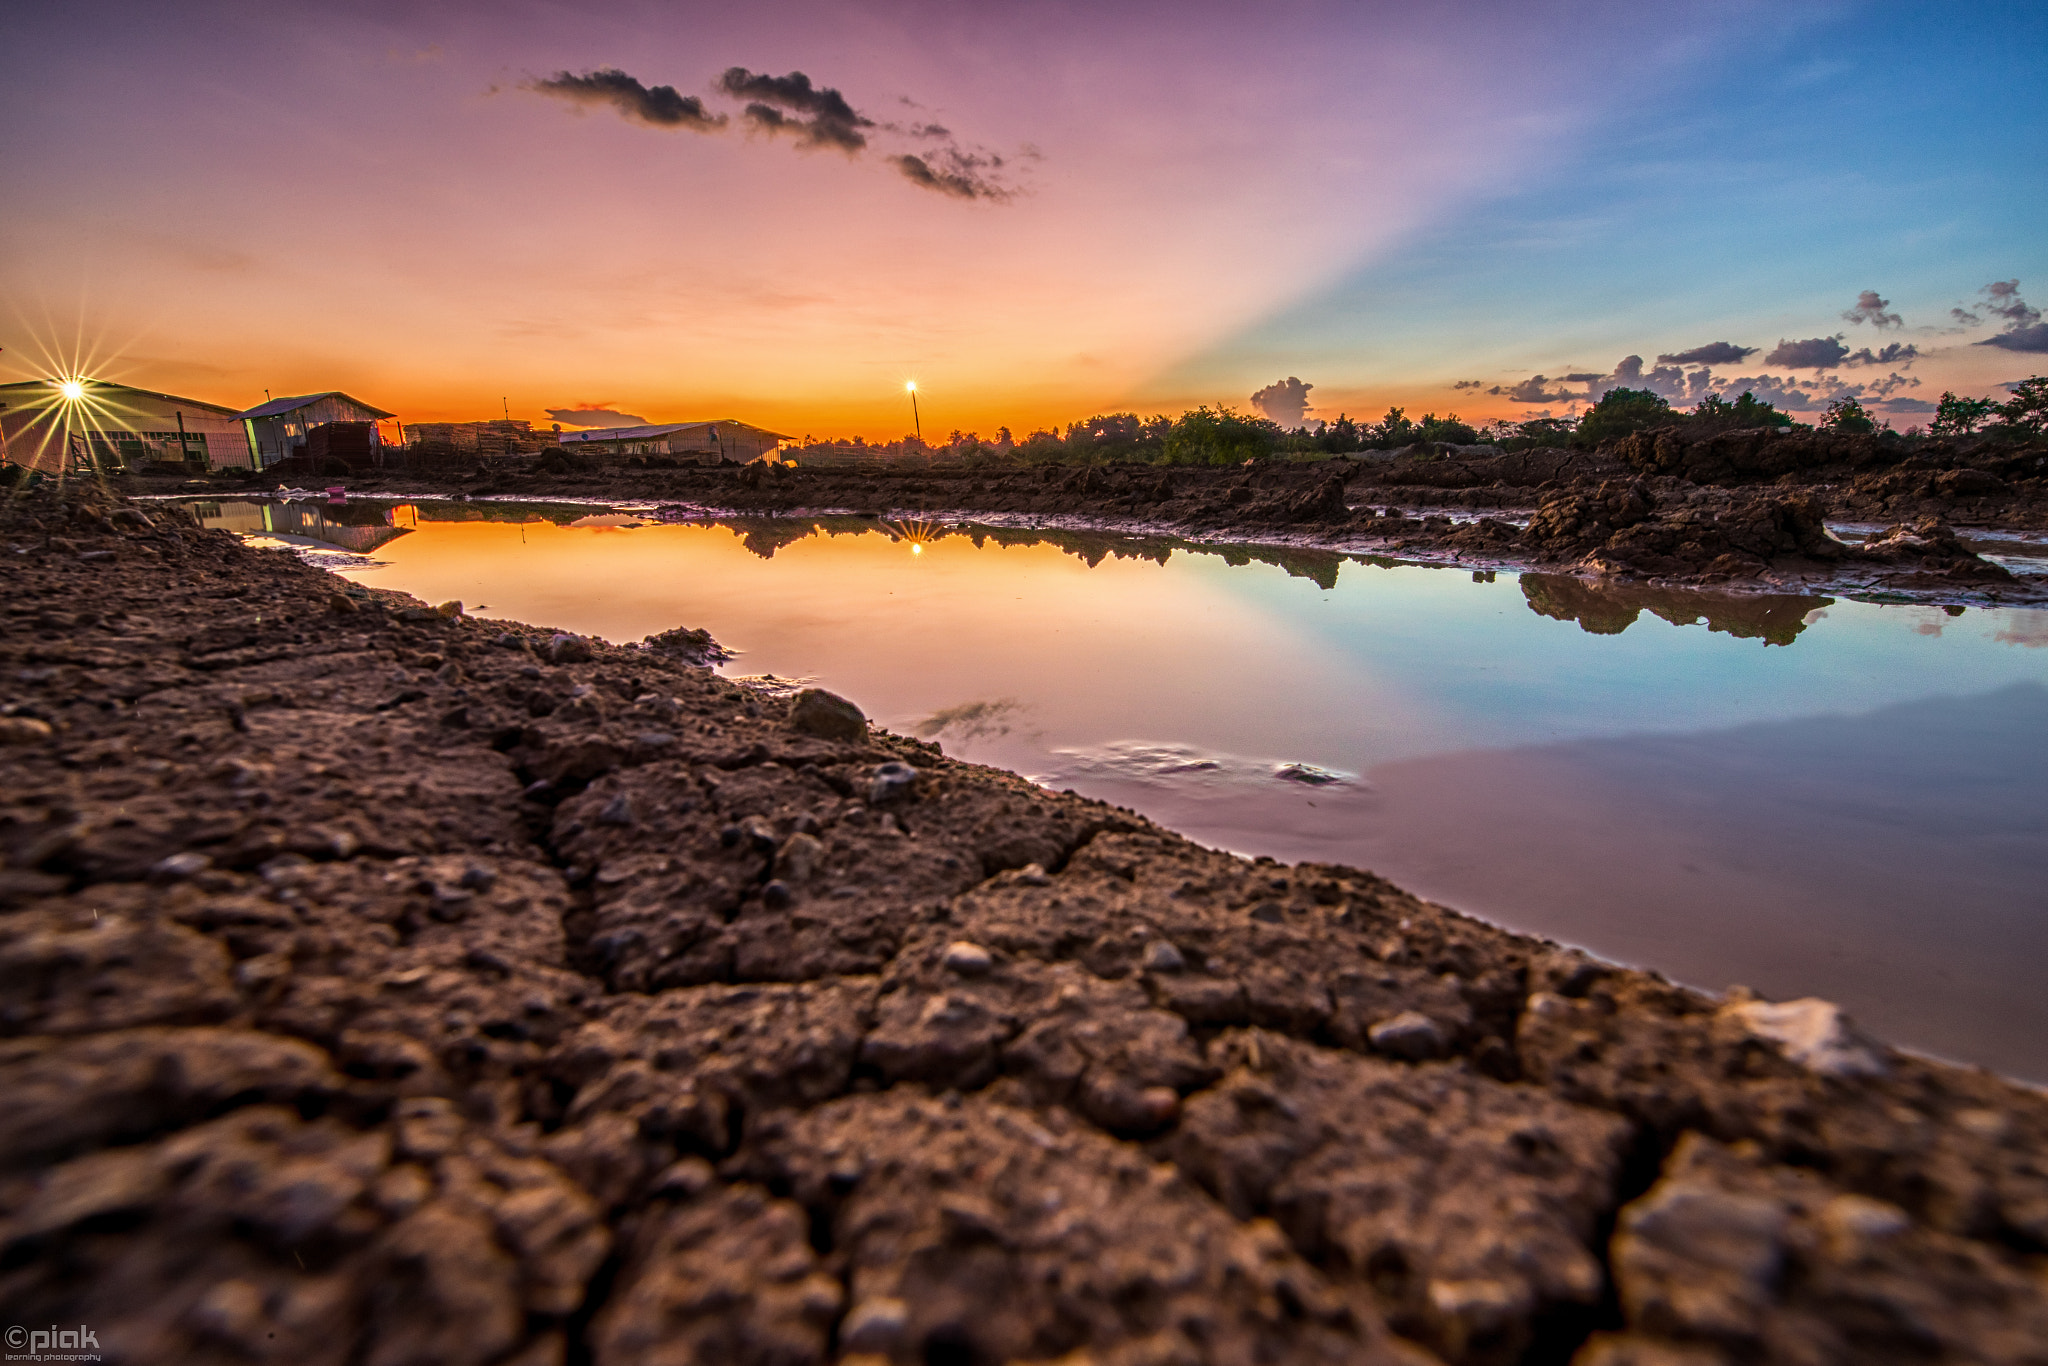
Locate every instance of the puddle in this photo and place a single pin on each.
(1803, 794)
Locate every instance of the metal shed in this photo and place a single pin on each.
(722, 438)
(55, 425)
(282, 427)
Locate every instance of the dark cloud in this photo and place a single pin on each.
(2024, 329)
(2003, 298)
(2031, 337)
(1907, 405)
(1964, 317)
(930, 130)
(1869, 308)
(1779, 393)
(594, 417)
(954, 172)
(831, 121)
(1713, 353)
(1889, 384)
(1468, 383)
(1815, 353)
(1531, 390)
(659, 106)
(1285, 401)
(1897, 353)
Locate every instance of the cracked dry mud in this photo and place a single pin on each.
(379, 986)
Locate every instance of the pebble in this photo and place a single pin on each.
(563, 648)
(827, 716)
(23, 730)
(891, 780)
(1161, 956)
(776, 896)
(618, 811)
(1410, 1035)
(1813, 1033)
(876, 1325)
(968, 958)
(187, 864)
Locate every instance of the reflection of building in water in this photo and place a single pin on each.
(52, 425)
(364, 529)
(706, 442)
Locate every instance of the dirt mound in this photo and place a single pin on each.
(382, 987)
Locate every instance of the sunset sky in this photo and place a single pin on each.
(1037, 211)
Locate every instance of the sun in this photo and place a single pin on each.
(72, 390)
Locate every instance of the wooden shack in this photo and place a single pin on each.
(283, 427)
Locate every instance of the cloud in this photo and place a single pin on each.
(1285, 401)
(1896, 353)
(1964, 317)
(1814, 353)
(1531, 390)
(657, 106)
(953, 172)
(1713, 353)
(832, 122)
(1869, 308)
(2032, 337)
(1779, 393)
(2024, 329)
(1907, 405)
(594, 417)
(1467, 383)
(1891, 383)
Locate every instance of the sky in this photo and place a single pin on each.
(1036, 211)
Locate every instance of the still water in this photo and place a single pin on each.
(1805, 795)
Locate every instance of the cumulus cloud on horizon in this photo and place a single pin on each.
(594, 417)
(1285, 401)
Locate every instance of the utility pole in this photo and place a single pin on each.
(915, 421)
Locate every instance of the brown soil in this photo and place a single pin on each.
(378, 986)
(1734, 508)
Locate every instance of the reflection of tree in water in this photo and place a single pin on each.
(1607, 609)
(769, 534)
(1317, 566)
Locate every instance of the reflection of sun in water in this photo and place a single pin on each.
(918, 532)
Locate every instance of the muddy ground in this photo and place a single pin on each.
(380, 986)
(1743, 509)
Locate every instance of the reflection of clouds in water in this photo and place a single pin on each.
(972, 720)
(1167, 764)
(2029, 629)
(1929, 628)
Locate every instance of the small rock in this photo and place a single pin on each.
(95, 554)
(967, 958)
(759, 831)
(1161, 956)
(1034, 875)
(187, 864)
(827, 716)
(875, 1326)
(798, 858)
(618, 811)
(891, 780)
(343, 604)
(451, 608)
(1159, 1106)
(776, 896)
(1269, 913)
(1856, 1221)
(23, 730)
(563, 648)
(1811, 1032)
(1410, 1035)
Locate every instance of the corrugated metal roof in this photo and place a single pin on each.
(279, 406)
(97, 387)
(661, 429)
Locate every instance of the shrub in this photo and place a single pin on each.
(1620, 412)
(1222, 437)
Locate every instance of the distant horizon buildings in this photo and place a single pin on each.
(721, 438)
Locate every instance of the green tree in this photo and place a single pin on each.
(1620, 412)
(1847, 417)
(1717, 412)
(1222, 437)
(2026, 412)
(1959, 416)
(1447, 428)
(1548, 431)
(1390, 431)
(1341, 435)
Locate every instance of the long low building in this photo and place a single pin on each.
(719, 439)
(59, 425)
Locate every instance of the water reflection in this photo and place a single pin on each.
(1579, 760)
(355, 527)
(1608, 609)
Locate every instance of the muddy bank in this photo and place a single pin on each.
(1743, 508)
(386, 986)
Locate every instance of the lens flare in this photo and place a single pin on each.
(71, 389)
